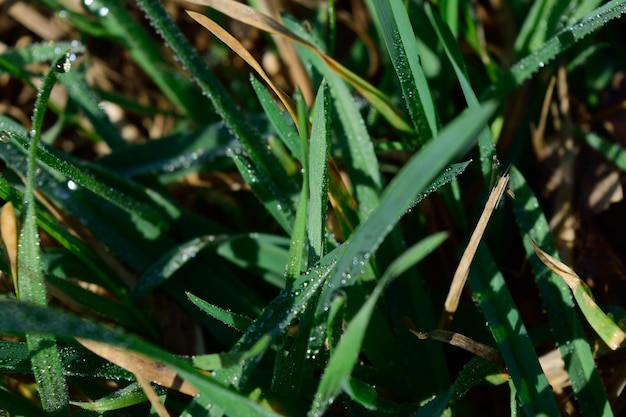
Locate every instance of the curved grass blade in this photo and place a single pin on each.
(40, 52)
(240, 50)
(557, 302)
(606, 328)
(122, 398)
(490, 292)
(404, 190)
(30, 287)
(22, 318)
(343, 358)
(402, 46)
(263, 22)
(255, 162)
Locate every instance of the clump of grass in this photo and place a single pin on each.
(290, 226)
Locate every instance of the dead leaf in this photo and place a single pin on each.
(463, 342)
(462, 271)
(140, 365)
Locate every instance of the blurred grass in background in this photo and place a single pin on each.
(214, 208)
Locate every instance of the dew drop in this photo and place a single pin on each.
(103, 11)
(72, 185)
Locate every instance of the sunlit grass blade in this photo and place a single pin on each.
(122, 398)
(345, 354)
(255, 162)
(318, 176)
(557, 302)
(413, 180)
(606, 328)
(30, 284)
(402, 46)
(240, 50)
(505, 323)
(21, 318)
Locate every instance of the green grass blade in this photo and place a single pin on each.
(234, 320)
(358, 152)
(496, 303)
(255, 162)
(611, 151)
(79, 177)
(486, 145)
(22, 318)
(286, 129)
(318, 176)
(128, 396)
(403, 50)
(405, 189)
(345, 354)
(30, 287)
(556, 45)
(558, 303)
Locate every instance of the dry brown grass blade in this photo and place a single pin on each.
(240, 50)
(141, 366)
(254, 18)
(463, 342)
(287, 51)
(462, 271)
(9, 230)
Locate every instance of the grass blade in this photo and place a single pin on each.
(345, 354)
(486, 145)
(556, 45)
(254, 161)
(504, 320)
(318, 176)
(234, 320)
(402, 192)
(558, 304)
(30, 287)
(606, 328)
(21, 318)
(358, 153)
(402, 46)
